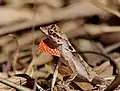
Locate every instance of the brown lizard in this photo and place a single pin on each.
(75, 61)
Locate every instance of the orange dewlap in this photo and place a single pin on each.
(44, 48)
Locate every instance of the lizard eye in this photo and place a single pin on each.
(50, 31)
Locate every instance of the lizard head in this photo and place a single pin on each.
(52, 32)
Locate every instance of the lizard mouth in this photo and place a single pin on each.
(50, 43)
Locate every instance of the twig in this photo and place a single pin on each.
(112, 62)
(100, 29)
(55, 74)
(112, 47)
(13, 85)
(33, 42)
(28, 71)
(106, 8)
(16, 54)
(40, 88)
(114, 84)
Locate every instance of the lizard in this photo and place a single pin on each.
(62, 44)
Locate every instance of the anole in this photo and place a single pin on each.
(61, 43)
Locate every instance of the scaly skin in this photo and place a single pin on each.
(77, 64)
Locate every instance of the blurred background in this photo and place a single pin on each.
(90, 25)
